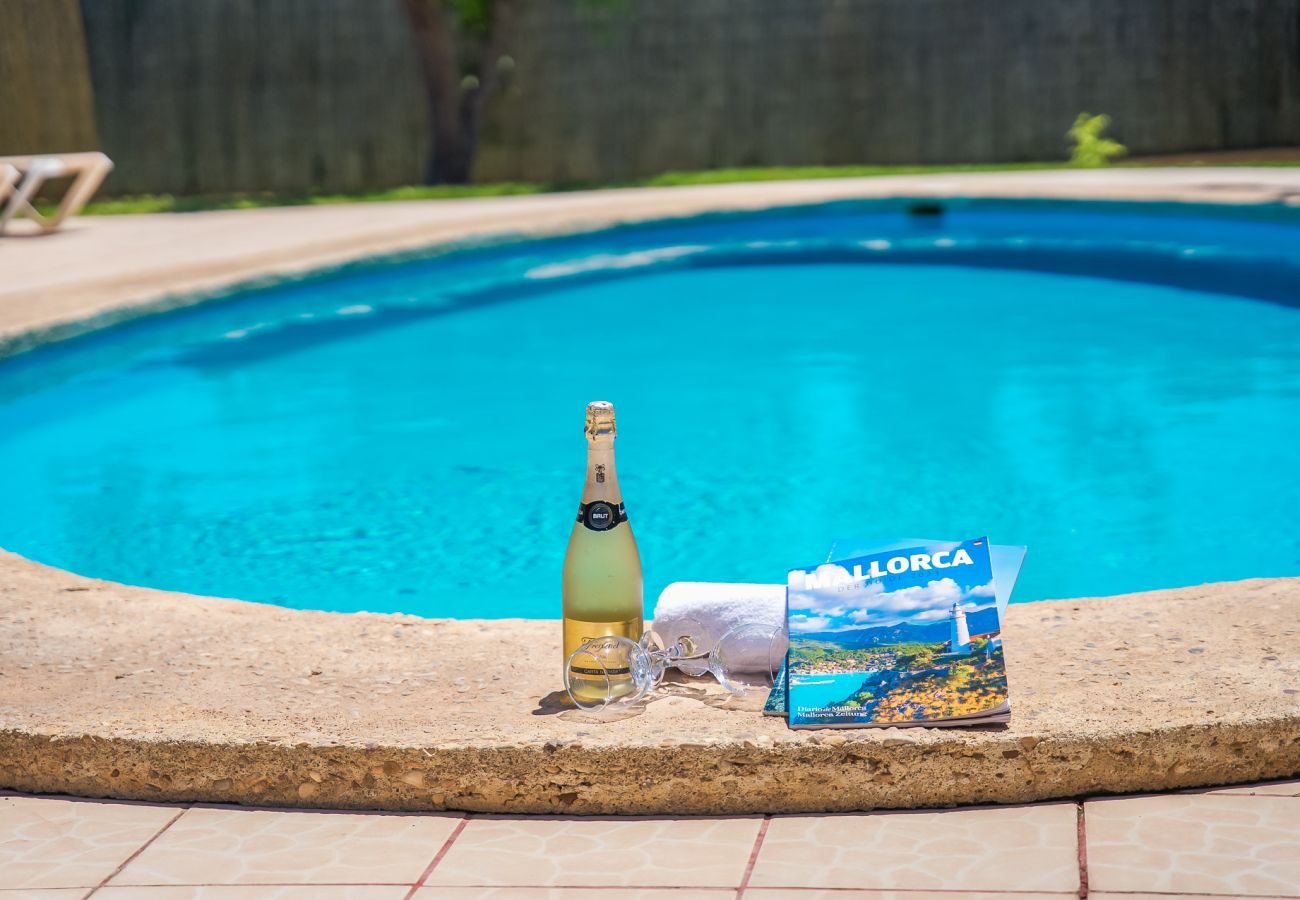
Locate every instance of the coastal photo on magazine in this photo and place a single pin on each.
(901, 637)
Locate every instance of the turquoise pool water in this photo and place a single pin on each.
(1118, 388)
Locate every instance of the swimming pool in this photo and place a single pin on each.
(1116, 386)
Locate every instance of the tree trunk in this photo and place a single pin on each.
(434, 32)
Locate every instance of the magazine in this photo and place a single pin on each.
(905, 636)
(1006, 561)
(775, 705)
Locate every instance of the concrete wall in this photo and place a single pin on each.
(45, 97)
(209, 96)
(221, 95)
(693, 84)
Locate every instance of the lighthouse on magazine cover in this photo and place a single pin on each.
(960, 633)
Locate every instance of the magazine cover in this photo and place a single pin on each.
(775, 705)
(1005, 560)
(908, 636)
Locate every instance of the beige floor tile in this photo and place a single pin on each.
(1195, 843)
(43, 893)
(849, 894)
(630, 852)
(518, 893)
(1271, 789)
(253, 892)
(256, 846)
(47, 842)
(1020, 848)
(1104, 895)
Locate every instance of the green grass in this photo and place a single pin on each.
(799, 173)
(169, 203)
(152, 203)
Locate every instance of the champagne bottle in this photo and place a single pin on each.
(602, 569)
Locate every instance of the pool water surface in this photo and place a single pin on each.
(1118, 390)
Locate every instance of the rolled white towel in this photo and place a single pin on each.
(721, 607)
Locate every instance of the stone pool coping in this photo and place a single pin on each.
(115, 691)
(125, 692)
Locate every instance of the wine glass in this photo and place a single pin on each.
(748, 657)
(609, 671)
(614, 672)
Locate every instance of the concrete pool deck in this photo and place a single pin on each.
(115, 691)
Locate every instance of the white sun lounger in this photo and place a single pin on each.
(8, 177)
(21, 178)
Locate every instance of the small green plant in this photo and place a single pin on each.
(1091, 150)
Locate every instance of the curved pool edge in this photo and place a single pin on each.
(104, 271)
(105, 690)
(133, 693)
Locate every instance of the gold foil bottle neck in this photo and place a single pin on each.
(600, 421)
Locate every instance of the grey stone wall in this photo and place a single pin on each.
(210, 96)
(693, 84)
(223, 95)
(45, 97)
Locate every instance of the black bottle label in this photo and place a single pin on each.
(601, 515)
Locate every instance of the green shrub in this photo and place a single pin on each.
(1091, 150)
